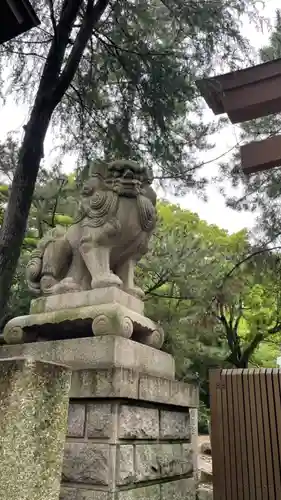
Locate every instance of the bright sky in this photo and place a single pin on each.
(14, 116)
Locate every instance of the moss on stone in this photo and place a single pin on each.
(33, 414)
(37, 306)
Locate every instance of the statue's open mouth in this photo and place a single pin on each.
(129, 190)
(130, 183)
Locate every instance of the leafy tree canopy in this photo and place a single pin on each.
(118, 77)
(134, 92)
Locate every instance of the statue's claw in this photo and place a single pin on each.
(64, 286)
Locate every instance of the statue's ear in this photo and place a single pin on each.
(99, 167)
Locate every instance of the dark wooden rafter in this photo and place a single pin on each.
(17, 17)
(261, 155)
(245, 95)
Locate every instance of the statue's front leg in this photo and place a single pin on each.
(127, 274)
(55, 262)
(96, 258)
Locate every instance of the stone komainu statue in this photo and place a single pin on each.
(114, 223)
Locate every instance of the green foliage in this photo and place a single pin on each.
(9, 152)
(134, 93)
(213, 316)
(119, 78)
(204, 417)
(181, 276)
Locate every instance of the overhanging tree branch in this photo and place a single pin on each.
(52, 16)
(91, 17)
(251, 348)
(53, 85)
(52, 68)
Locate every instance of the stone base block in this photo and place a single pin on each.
(129, 384)
(107, 311)
(97, 353)
(33, 415)
(129, 450)
(183, 489)
(99, 296)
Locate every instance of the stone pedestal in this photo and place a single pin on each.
(33, 417)
(132, 429)
(97, 352)
(99, 312)
(130, 436)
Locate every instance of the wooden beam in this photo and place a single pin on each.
(245, 94)
(16, 17)
(254, 100)
(258, 156)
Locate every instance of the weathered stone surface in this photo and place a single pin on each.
(114, 383)
(205, 492)
(148, 493)
(111, 232)
(76, 420)
(33, 416)
(147, 464)
(174, 425)
(130, 384)
(166, 391)
(184, 489)
(188, 458)
(205, 472)
(125, 465)
(86, 298)
(155, 461)
(93, 495)
(99, 420)
(82, 494)
(132, 458)
(136, 422)
(68, 494)
(86, 463)
(97, 353)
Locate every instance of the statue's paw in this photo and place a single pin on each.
(69, 285)
(105, 280)
(65, 286)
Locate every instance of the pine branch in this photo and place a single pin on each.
(171, 296)
(159, 283)
(275, 329)
(92, 15)
(249, 257)
(52, 67)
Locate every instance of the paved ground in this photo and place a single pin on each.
(205, 464)
(204, 461)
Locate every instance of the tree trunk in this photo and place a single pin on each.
(53, 84)
(16, 215)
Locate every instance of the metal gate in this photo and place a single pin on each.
(246, 434)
